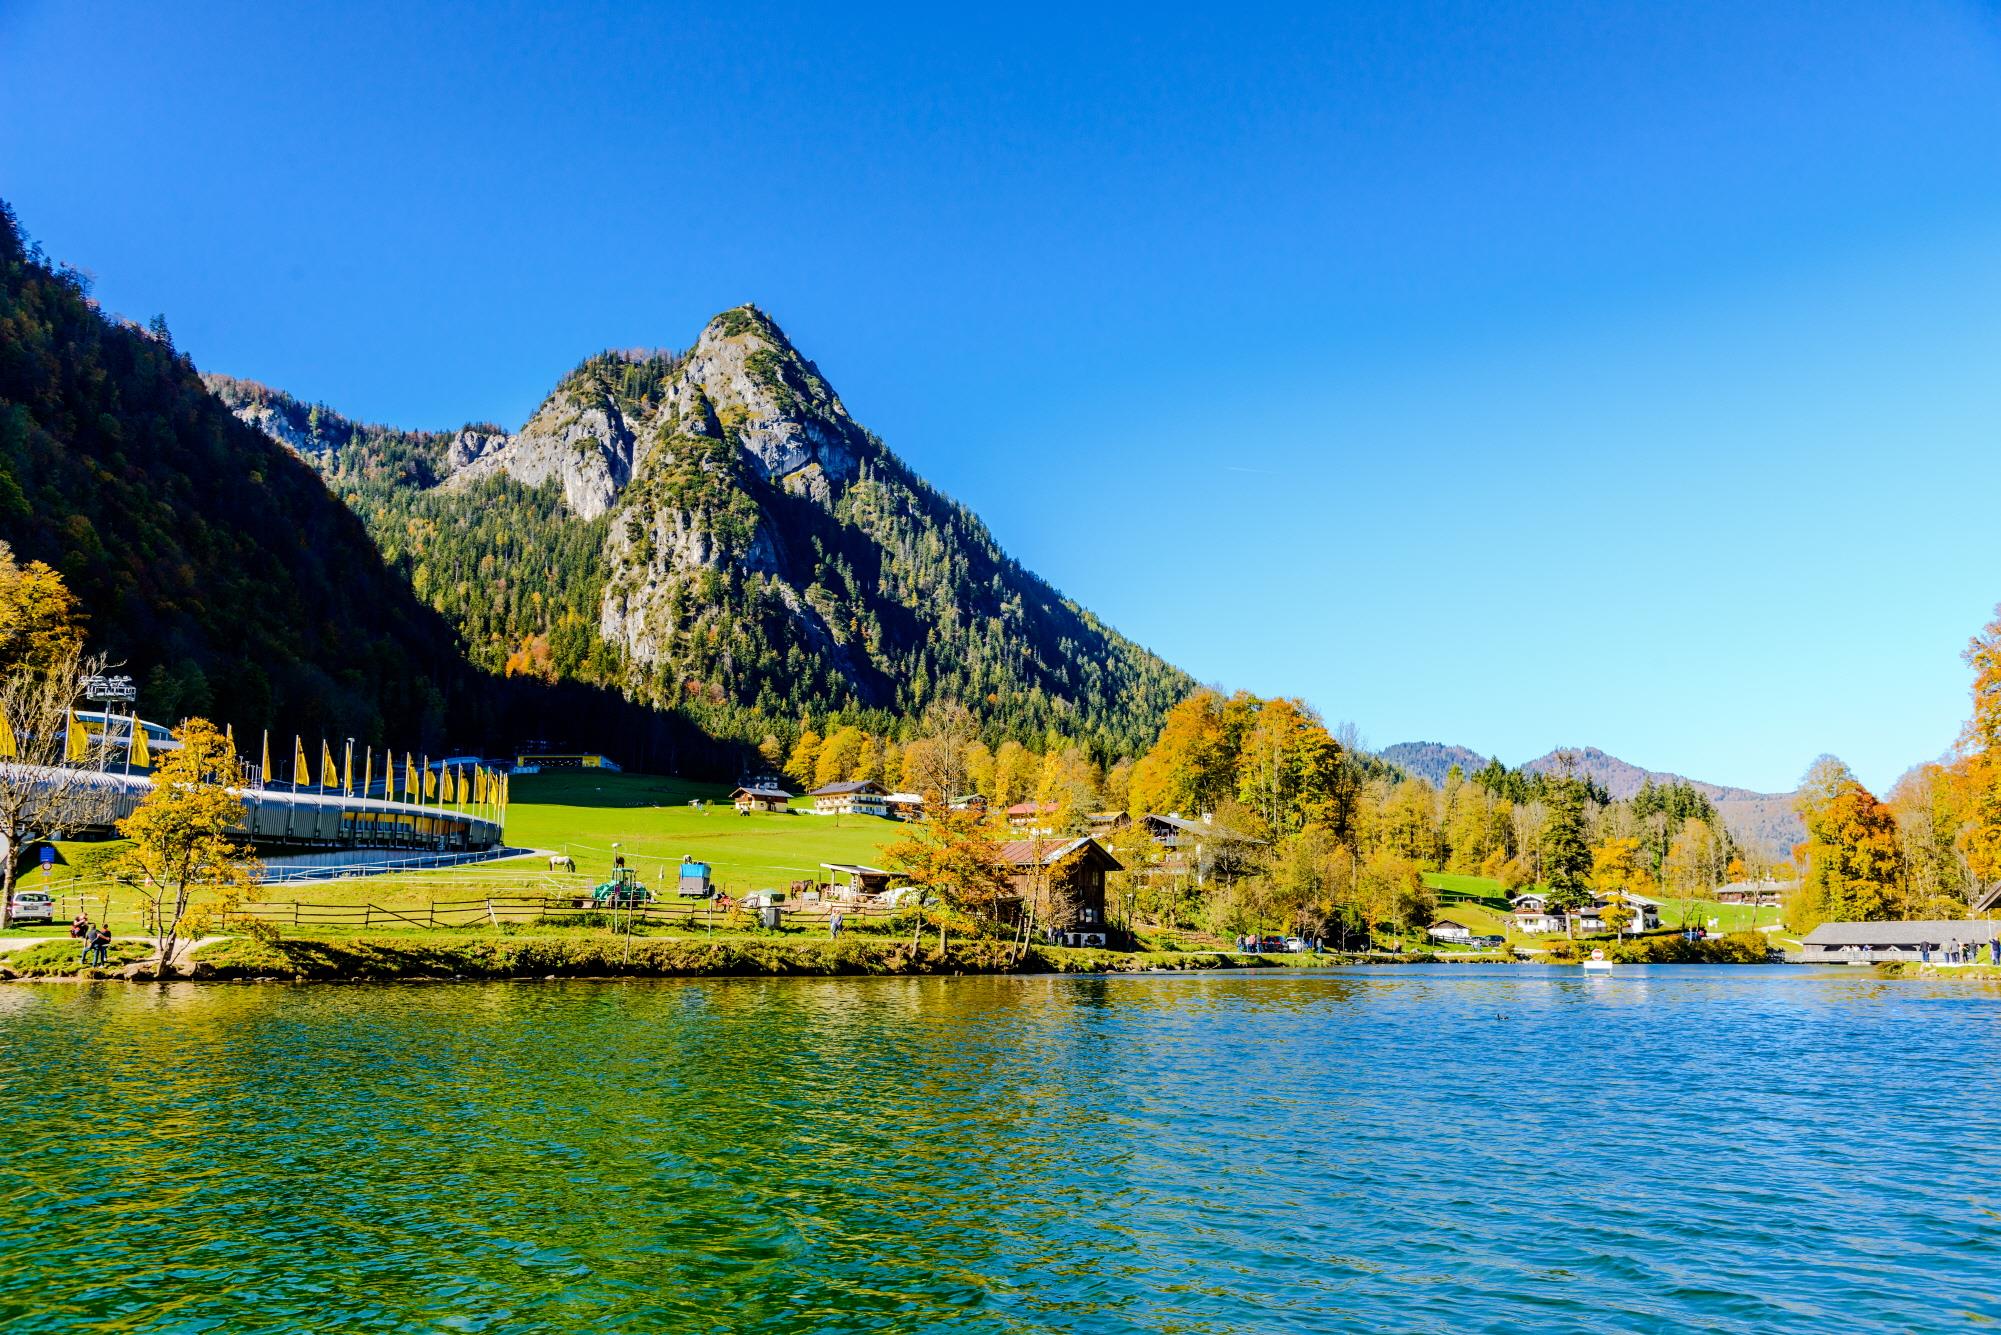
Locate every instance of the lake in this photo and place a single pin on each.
(1399, 1149)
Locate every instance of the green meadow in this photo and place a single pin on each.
(580, 813)
(1482, 904)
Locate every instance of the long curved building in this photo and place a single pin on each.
(278, 819)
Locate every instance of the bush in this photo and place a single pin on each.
(1736, 948)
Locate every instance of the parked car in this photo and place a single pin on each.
(33, 906)
(1295, 946)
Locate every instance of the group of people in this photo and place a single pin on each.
(1958, 952)
(96, 940)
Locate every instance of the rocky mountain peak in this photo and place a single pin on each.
(788, 422)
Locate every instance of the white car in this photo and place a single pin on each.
(33, 906)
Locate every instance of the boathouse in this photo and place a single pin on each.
(1869, 942)
(1063, 883)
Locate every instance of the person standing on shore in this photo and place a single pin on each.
(100, 945)
(85, 936)
(834, 924)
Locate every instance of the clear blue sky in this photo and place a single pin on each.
(1484, 373)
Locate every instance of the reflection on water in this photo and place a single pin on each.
(1443, 1149)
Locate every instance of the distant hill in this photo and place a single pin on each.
(1432, 761)
(1765, 820)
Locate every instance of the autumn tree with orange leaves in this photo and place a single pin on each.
(1980, 747)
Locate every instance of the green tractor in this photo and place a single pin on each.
(623, 890)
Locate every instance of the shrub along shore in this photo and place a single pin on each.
(437, 955)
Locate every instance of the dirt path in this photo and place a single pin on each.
(13, 943)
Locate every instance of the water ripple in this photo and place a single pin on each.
(1426, 1150)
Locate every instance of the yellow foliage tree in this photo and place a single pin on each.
(1980, 744)
(1615, 869)
(182, 861)
(40, 621)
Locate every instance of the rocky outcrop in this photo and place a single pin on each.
(472, 444)
(309, 431)
(580, 438)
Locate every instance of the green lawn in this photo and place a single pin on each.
(1730, 917)
(582, 813)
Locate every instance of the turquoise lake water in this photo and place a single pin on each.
(1395, 1149)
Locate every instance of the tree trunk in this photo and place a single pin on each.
(6, 880)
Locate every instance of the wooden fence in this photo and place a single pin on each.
(498, 909)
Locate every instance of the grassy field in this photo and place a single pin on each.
(1482, 904)
(581, 813)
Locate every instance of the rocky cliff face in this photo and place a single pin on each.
(759, 549)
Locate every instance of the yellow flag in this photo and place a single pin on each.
(452, 786)
(430, 780)
(326, 765)
(267, 755)
(409, 779)
(141, 752)
(7, 751)
(300, 777)
(368, 771)
(76, 742)
(347, 769)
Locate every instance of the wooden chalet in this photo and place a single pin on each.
(761, 799)
(856, 797)
(1062, 882)
(1031, 815)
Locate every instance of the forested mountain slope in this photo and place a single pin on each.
(713, 532)
(209, 561)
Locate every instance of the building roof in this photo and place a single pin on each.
(768, 794)
(1040, 852)
(1932, 931)
(1450, 922)
(856, 869)
(1207, 829)
(851, 786)
(906, 799)
(1031, 808)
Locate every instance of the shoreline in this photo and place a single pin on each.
(383, 959)
(487, 958)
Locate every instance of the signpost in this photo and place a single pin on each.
(109, 691)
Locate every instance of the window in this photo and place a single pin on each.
(1090, 915)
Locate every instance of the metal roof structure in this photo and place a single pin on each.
(1930, 931)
